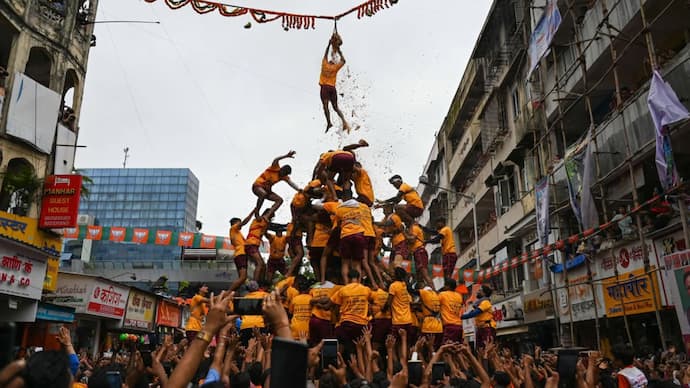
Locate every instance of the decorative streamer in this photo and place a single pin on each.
(288, 20)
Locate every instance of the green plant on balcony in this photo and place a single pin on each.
(21, 188)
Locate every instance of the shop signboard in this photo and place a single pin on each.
(50, 312)
(139, 314)
(672, 251)
(72, 290)
(578, 297)
(107, 300)
(52, 268)
(538, 306)
(509, 313)
(21, 273)
(168, 314)
(25, 230)
(60, 203)
(631, 293)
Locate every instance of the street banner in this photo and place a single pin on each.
(541, 190)
(665, 109)
(543, 34)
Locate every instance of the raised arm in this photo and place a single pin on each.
(276, 161)
(351, 147)
(328, 47)
(292, 184)
(246, 219)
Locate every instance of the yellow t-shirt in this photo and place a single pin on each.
(367, 221)
(410, 196)
(350, 217)
(400, 304)
(300, 308)
(318, 293)
(300, 199)
(196, 314)
(277, 246)
(396, 230)
(419, 238)
(451, 307)
(252, 321)
(269, 177)
(329, 71)
(327, 158)
(447, 242)
(237, 239)
(321, 234)
(430, 308)
(486, 316)
(353, 300)
(256, 230)
(363, 184)
(379, 299)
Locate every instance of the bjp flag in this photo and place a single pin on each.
(70, 233)
(227, 243)
(468, 275)
(94, 232)
(163, 237)
(117, 234)
(208, 241)
(140, 236)
(437, 271)
(185, 239)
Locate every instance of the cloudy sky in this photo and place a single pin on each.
(203, 92)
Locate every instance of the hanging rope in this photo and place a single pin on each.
(288, 20)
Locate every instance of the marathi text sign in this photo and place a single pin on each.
(633, 292)
(60, 204)
(538, 306)
(21, 275)
(140, 307)
(72, 291)
(168, 314)
(107, 300)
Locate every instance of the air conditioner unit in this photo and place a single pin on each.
(85, 219)
(511, 311)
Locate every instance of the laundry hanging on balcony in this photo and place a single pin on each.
(289, 20)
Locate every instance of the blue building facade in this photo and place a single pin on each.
(140, 197)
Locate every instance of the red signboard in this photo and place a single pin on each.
(168, 314)
(60, 204)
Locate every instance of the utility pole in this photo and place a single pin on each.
(124, 162)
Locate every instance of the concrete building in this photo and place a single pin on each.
(507, 129)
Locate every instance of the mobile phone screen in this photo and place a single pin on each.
(247, 306)
(329, 353)
(114, 379)
(415, 372)
(289, 363)
(437, 371)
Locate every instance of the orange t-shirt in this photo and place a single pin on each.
(278, 245)
(256, 230)
(353, 300)
(396, 230)
(329, 71)
(300, 308)
(367, 220)
(410, 196)
(349, 215)
(300, 199)
(318, 293)
(321, 234)
(430, 307)
(418, 242)
(269, 177)
(327, 157)
(237, 239)
(447, 241)
(363, 184)
(196, 314)
(402, 314)
(252, 321)
(379, 299)
(451, 307)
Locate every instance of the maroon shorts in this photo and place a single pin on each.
(295, 241)
(409, 329)
(334, 239)
(258, 186)
(452, 333)
(251, 250)
(273, 265)
(413, 211)
(421, 258)
(371, 243)
(449, 261)
(348, 332)
(401, 249)
(319, 329)
(380, 328)
(434, 338)
(315, 254)
(483, 335)
(342, 162)
(241, 262)
(329, 93)
(353, 246)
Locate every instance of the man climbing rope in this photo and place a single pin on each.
(329, 71)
